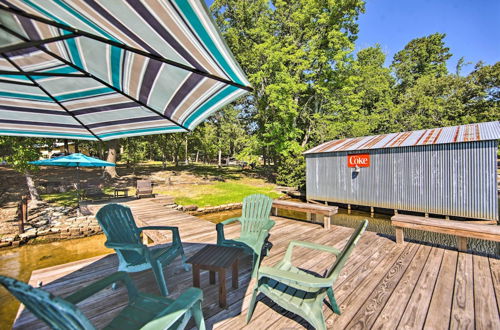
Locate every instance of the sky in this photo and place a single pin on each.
(472, 27)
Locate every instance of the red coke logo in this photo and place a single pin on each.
(359, 160)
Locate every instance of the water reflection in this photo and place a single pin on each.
(20, 262)
(381, 223)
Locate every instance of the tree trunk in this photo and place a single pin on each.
(66, 147)
(77, 150)
(186, 152)
(197, 154)
(113, 146)
(164, 161)
(219, 163)
(176, 159)
(31, 188)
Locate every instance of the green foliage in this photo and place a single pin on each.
(134, 150)
(290, 51)
(292, 170)
(421, 57)
(17, 152)
(310, 88)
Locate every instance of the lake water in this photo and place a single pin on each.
(20, 262)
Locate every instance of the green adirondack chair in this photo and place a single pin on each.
(144, 311)
(123, 235)
(255, 226)
(301, 292)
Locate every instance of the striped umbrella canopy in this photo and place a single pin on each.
(107, 69)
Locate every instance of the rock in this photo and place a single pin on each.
(190, 208)
(27, 235)
(16, 243)
(41, 223)
(10, 238)
(44, 232)
(4, 244)
(75, 231)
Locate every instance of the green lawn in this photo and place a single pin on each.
(201, 188)
(221, 193)
(69, 198)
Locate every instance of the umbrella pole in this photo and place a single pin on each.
(78, 191)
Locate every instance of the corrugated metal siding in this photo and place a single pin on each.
(452, 134)
(456, 179)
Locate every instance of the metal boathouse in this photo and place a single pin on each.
(450, 171)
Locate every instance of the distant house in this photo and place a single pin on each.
(57, 149)
(450, 171)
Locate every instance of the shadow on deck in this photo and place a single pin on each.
(383, 285)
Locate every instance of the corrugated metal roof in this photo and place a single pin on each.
(452, 134)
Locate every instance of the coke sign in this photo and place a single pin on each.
(359, 160)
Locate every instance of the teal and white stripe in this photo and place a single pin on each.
(134, 67)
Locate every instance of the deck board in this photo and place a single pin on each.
(383, 285)
(462, 316)
(393, 310)
(438, 316)
(416, 309)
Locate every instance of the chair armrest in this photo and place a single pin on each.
(269, 225)
(175, 231)
(172, 228)
(176, 310)
(300, 279)
(314, 246)
(220, 228)
(228, 221)
(139, 248)
(101, 284)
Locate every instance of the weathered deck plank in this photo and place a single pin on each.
(484, 297)
(495, 276)
(438, 316)
(383, 285)
(416, 309)
(394, 308)
(462, 314)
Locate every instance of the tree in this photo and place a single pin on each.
(17, 152)
(291, 51)
(113, 148)
(134, 151)
(421, 57)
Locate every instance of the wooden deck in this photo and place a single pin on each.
(383, 285)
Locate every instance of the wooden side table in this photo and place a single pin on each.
(216, 258)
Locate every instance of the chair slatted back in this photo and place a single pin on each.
(56, 312)
(144, 187)
(255, 213)
(335, 269)
(118, 224)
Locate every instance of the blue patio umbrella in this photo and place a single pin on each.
(74, 160)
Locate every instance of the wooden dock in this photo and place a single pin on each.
(384, 285)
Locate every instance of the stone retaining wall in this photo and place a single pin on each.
(52, 223)
(212, 209)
